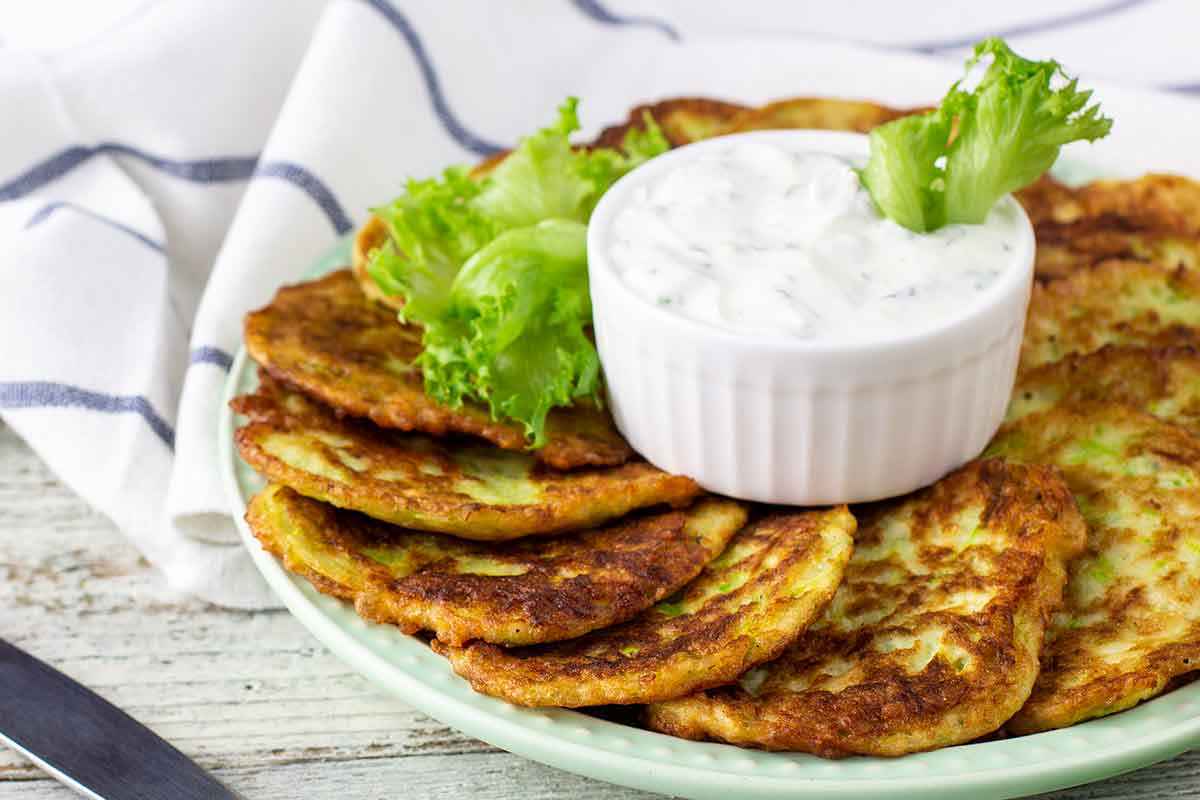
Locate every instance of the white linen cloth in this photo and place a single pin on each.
(161, 179)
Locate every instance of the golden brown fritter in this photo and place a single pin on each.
(932, 638)
(1153, 218)
(1162, 381)
(1154, 202)
(370, 237)
(682, 119)
(1049, 201)
(469, 490)
(820, 113)
(746, 606)
(325, 338)
(1064, 249)
(1131, 619)
(513, 593)
(1116, 302)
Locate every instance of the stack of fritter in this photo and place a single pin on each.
(560, 577)
(633, 587)
(1109, 391)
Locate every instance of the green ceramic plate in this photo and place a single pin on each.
(620, 754)
(572, 741)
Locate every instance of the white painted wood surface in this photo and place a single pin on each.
(253, 697)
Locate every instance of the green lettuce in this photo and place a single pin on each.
(433, 229)
(495, 270)
(952, 164)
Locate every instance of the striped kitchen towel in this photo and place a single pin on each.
(159, 180)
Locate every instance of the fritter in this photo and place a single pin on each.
(327, 339)
(1131, 620)
(745, 607)
(473, 491)
(1162, 381)
(822, 113)
(931, 640)
(682, 119)
(1154, 202)
(1116, 302)
(370, 237)
(1049, 201)
(1063, 250)
(1154, 218)
(513, 593)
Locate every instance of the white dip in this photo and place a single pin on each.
(759, 239)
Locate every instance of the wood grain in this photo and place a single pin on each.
(251, 696)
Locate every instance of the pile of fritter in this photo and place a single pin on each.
(1054, 580)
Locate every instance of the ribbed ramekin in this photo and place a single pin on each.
(802, 422)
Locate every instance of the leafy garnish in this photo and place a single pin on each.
(433, 229)
(496, 271)
(516, 325)
(952, 164)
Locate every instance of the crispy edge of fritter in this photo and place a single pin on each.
(816, 113)
(1152, 218)
(1110, 695)
(1132, 375)
(895, 715)
(1051, 304)
(1153, 202)
(1049, 201)
(278, 336)
(708, 646)
(675, 116)
(566, 500)
(1065, 249)
(654, 554)
(1048, 709)
(370, 237)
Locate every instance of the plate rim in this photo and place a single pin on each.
(552, 736)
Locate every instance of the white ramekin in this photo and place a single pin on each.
(800, 422)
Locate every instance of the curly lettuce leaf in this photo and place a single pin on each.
(545, 178)
(1016, 125)
(434, 227)
(496, 271)
(905, 174)
(952, 165)
(514, 333)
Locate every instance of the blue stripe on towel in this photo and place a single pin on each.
(201, 170)
(312, 186)
(45, 211)
(601, 14)
(433, 84)
(44, 394)
(211, 355)
(205, 170)
(1080, 17)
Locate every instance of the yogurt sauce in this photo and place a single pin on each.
(758, 239)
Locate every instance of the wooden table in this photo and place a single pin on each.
(252, 696)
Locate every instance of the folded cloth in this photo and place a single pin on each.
(162, 179)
